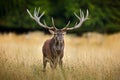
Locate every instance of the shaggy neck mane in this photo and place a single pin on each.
(57, 45)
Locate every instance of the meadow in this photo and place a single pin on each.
(90, 57)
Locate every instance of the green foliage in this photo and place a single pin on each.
(104, 15)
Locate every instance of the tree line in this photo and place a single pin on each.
(104, 14)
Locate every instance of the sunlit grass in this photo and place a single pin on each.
(91, 57)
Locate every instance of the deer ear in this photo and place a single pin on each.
(51, 31)
(64, 32)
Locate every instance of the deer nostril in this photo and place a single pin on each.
(61, 40)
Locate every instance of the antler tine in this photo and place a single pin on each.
(30, 14)
(87, 14)
(53, 23)
(80, 13)
(35, 12)
(37, 18)
(81, 20)
(41, 15)
(44, 22)
(38, 11)
(75, 23)
(68, 24)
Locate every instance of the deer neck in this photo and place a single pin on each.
(57, 45)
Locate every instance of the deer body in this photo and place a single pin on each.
(53, 49)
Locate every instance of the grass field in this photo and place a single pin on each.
(91, 57)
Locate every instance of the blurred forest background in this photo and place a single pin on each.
(104, 14)
(88, 54)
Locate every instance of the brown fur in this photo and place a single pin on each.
(53, 51)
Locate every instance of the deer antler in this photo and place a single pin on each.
(81, 18)
(53, 23)
(37, 18)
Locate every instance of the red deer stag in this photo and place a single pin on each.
(53, 49)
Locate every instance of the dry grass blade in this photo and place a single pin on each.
(91, 57)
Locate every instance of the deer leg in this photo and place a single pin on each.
(55, 65)
(60, 63)
(44, 64)
(52, 65)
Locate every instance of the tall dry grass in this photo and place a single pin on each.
(91, 57)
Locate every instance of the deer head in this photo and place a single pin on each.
(58, 33)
